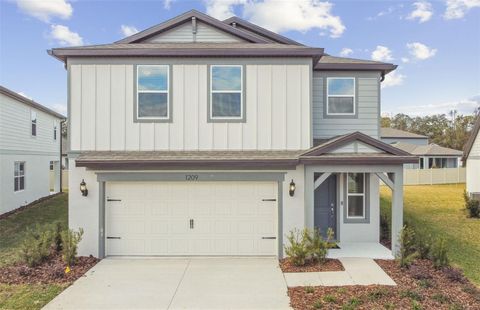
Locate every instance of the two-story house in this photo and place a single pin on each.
(29, 146)
(206, 137)
(471, 158)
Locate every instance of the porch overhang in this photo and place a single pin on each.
(358, 159)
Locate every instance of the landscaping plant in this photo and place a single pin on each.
(407, 253)
(472, 205)
(70, 241)
(308, 245)
(317, 245)
(438, 253)
(37, 245)
(297, 251)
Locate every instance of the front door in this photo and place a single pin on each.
(325, 202)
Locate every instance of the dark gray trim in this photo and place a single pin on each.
(280, 217)
(244, 94)
(325, 98)
(365, 220)
(101, 220)
(385, 68)
(338, 206)
(186, 17)
(170, 97)
(357, 160)
(10, 93)
(182, 176)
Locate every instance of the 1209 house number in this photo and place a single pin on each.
(191, 177)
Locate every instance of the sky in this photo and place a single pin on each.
(436, 44)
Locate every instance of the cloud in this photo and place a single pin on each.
(423, 11)
(393, 79)
(167, 4)
(128, 30)
(64, 36)
(458, 8)
(405, 60)
(346, 52)
(388, 11)
(280, 16)
(382, 53)
(44, 10)
(60, 108)
(421, 51)
(463, 106)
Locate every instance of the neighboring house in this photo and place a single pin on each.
(207, 137)
(472, 159)
(430, 155)
(29, 147)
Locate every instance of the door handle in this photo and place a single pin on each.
(269, 237)
(269, 199)
(111, 199)
(192, 224)
(114, 237)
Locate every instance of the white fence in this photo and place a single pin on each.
(433, 176)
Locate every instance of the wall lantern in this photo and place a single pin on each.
(83, 188)
(291, 189)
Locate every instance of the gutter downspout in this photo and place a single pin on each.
(61, 154)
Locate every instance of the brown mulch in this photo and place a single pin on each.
(51, 270)
(420, 285)
(329, 265)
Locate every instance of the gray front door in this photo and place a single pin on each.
(325, 202)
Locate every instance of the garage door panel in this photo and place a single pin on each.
(153, 218)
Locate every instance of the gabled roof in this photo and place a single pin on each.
(234, 20)
(386, 132)
(328, 62)
(431, 149)
(29, 102)
(185, 17)
(471, 139)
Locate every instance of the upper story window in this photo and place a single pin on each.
(356, 196)
(341, 96)
(19, 176)
(226, 93)
(33, 118)
(153, 92)
(54, 130)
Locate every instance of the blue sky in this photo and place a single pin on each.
(435, 43)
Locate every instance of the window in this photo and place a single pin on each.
(340, 96)
(19, 176)
(153, 92)
(54, 130)
(33, 117)
(226, 92)
(356, 195)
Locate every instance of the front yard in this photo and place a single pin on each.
(438, 210)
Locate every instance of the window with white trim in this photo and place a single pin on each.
(19, 176)
(33, 118)
(341, 96)
(153, 92)
(356, 196)
(54, 130)
(226, 92)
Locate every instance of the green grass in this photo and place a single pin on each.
(439, 210)
(12, 233)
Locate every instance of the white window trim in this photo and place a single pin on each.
(358, 195)
(167, 117)
(345, 96)
(32, 122)
(226, 92)
(19, 176)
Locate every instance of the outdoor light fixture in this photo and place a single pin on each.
(83, 188)
(291, 189)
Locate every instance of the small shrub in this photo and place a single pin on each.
(308, 245)
(318, 304)
(423, 245)
(297, 249)
(440, 298)
(454, 275)
(70, 240)
(57, 236)
(425, 283)
(351, 304)
(407, 253)
(317, 247)
(413, 295)
(438, 253)
(329, 298)
(472, 205)
(416, 305)
(36, 246)
(378, 294)
(309, 289)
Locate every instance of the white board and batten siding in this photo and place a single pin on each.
(473, 167)
(367, 105)
(277, 110)
(204, 33)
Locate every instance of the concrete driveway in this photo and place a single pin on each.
(178, 283)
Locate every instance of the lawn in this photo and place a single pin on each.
(12, 232)
(438, 210)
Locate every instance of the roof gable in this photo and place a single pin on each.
(471, 139)
(193, 17)
(367, 144)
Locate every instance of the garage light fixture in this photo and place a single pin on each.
(83, 188)
(292, 188)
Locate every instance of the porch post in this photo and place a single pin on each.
(397, 208)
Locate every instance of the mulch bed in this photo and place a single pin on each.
(329, 265)
(419, 287)
(51, 270)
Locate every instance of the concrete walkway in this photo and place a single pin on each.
(358, 271)
(178, 283)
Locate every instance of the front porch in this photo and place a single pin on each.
(360, 250)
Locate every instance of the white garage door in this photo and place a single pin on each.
(180, 218)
